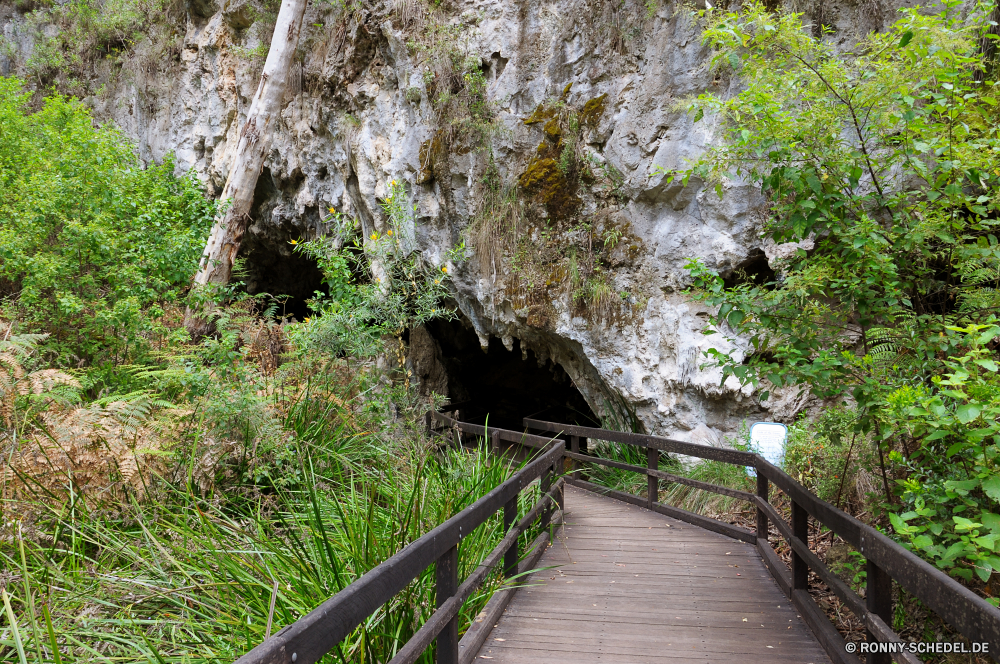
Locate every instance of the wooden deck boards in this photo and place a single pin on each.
(630, 585)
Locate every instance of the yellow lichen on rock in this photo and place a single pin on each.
(540, 114)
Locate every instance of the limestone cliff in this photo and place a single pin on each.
(535, 132)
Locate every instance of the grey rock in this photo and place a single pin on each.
(359, 111)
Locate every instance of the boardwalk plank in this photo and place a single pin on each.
(610, 597)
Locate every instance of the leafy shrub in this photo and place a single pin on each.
(831, 459)
(93, 245)
(951, 492)
(379, 285)
(881, 163)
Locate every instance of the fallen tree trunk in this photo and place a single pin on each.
(223, 244)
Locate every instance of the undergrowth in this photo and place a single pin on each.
(159, 495)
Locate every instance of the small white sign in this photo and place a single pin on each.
(768, 440)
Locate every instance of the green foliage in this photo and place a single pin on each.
(889, 160)
(194, 580)
(952, 490)
(456, 84)
(882, 163)
(69, 38)
(92, 245)
(379, 285)
(816, 455)
(295, 479)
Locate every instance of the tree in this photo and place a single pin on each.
(254, 142)
(886, 158)
(885, 161)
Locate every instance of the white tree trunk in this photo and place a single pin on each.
(223, 244)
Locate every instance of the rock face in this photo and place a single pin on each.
(568, 108)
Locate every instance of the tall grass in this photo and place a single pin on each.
(192, 580)
(322, 477)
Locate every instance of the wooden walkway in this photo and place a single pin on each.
(630, 585)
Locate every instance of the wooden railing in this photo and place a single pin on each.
(321, 630)
(973, 617)
(317, 633)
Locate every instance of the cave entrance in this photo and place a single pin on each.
(269, 263)
(504, 385)
(290, 277)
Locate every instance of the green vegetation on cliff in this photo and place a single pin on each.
(160, 496)
(883, 163)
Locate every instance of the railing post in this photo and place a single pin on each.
(574, 447)
(511, 555)
(800, 529)
(546, 484)
(652, 484)
(561, 496)
(583, 450)
(878, 599)
(495, 443)
(763, 489)
(457, 436)
(447, 586)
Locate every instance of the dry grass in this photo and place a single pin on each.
(52, 446)
(104, 452)
(496, 224)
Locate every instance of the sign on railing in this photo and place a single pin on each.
(768, 440)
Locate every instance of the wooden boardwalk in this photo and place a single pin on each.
(630, 585)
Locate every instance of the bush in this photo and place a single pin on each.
(833, 461)
(881, 163)
(380, 285)
(94, 248)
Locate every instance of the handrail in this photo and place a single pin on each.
(521, 438)
(309, 638)
(887, 561)
(724, 454)
(306, 640)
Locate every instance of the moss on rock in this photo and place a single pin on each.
(545, 183)
(592, 111)
(552, 129)
(540, 114)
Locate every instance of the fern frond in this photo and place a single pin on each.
(45, 380)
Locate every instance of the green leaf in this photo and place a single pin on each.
(954, 551)
(901, 526)
(907, 36)
(968, 412)
(937, 434)
(962, 573)
(991, 485)
(954, 449)
(990, 520)
(962, 486)
(699, 114)
(962, 524)
(989, 365)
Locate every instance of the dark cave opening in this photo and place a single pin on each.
(268, 260)
(505, 385)
(754, 270)
(288, 276)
